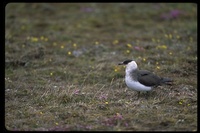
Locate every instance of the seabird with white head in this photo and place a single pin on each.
(141, 80)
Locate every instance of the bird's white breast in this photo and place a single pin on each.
(135, 85)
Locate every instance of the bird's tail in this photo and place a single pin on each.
(167, 81)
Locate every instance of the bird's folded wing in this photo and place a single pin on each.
(147, 78)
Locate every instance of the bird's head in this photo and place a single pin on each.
(125, 62)
(130, 64)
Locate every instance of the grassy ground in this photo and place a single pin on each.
(61, 66)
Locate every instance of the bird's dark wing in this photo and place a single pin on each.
(148, 78)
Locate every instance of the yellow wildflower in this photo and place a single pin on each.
(129, 45)
(42, 38)
(54, 44)
(74, 45)
(69, 52)
(170, 36)
(96, 42)
(177, 36)
(62, 46)
(34, 39)
(127, 51)
(115, 41)
(161, 47)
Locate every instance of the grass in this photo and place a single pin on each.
(61, 69)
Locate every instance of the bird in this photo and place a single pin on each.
(141, 80)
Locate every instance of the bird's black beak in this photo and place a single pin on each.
(121, 63)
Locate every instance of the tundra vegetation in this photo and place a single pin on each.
(61, 71)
